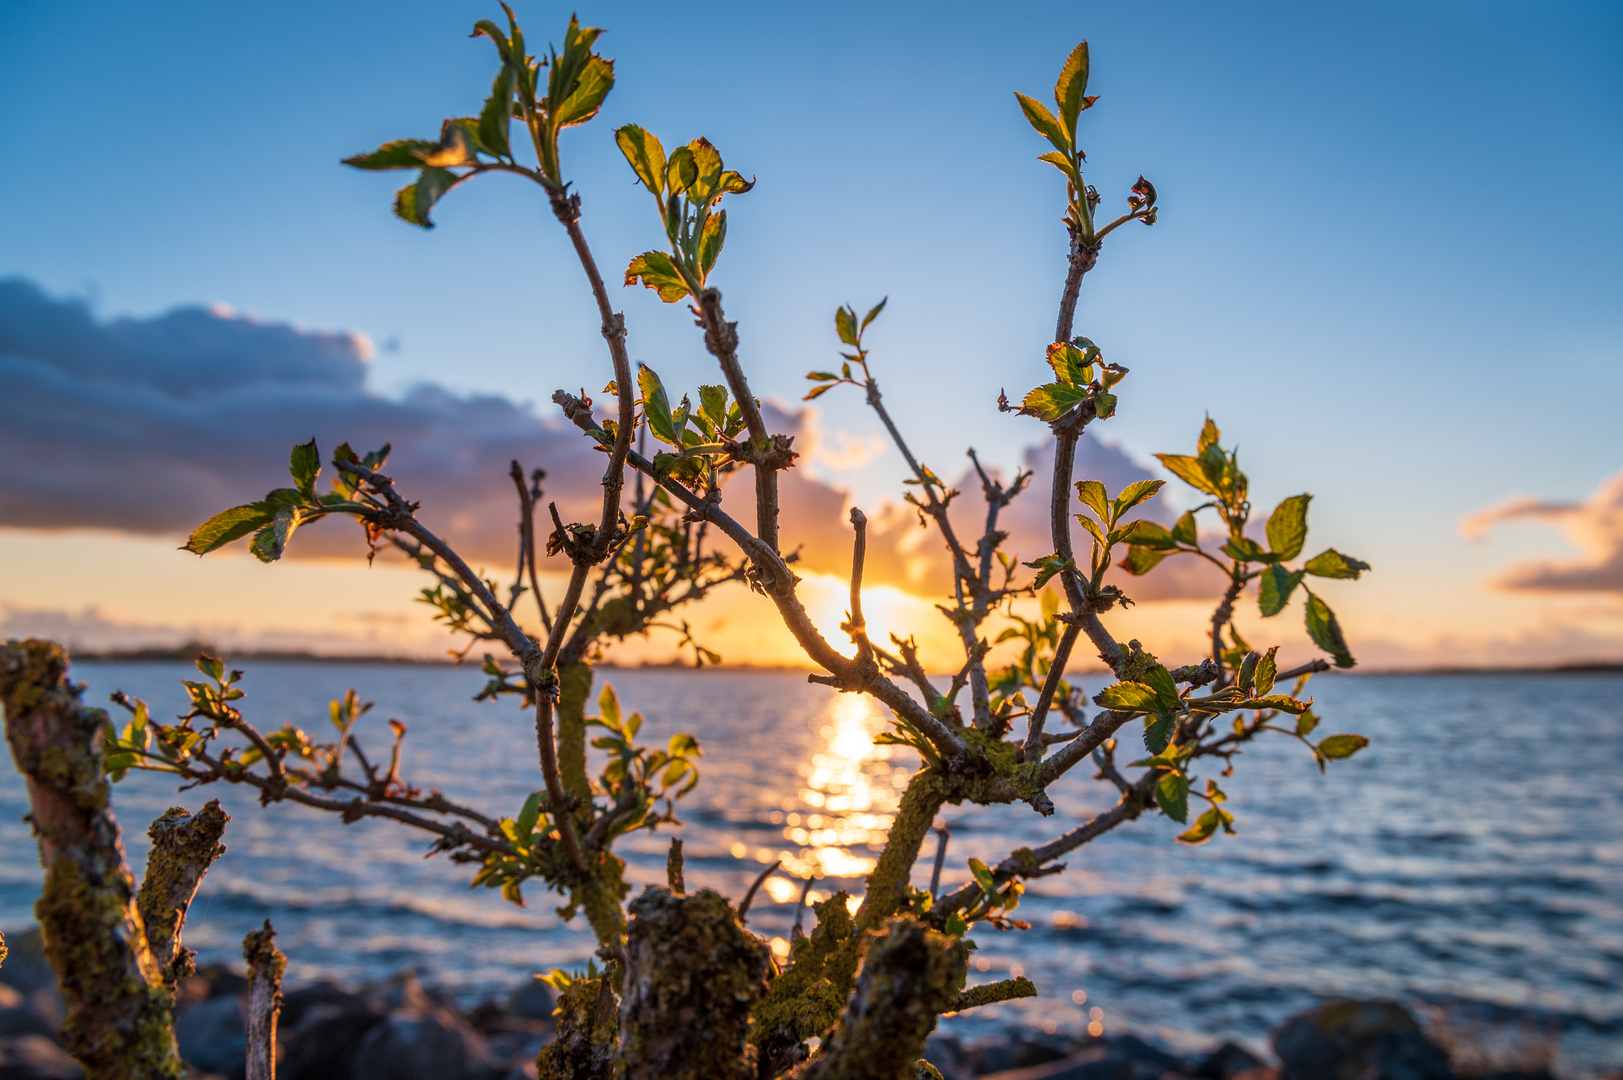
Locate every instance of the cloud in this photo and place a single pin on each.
(1594, 525)
(151, 425)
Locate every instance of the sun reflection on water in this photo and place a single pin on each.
(849, 796)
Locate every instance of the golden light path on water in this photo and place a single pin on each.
(848, 799)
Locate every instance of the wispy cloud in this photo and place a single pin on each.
(1594, 525)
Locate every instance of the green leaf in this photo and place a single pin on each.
(845, 325)
(413, 202)
(271, 541)
(1141, 560)
(1281, 702)
(1105, 405)
(1048, 566)
(656, 270)
(497, 115)
(873, 312)
(1184, 531)
(305, 465)
(1331, 563)
(1325, 631)
(645, 155)
(680, 170)
(1342, 746)
(1208, 437)
(456, 146)
(656, 406)
(1043, 120)
(1188, 469)
(1159, 679)
(1157, 734)
(524, 825)
(229, 525)
(587, 96)
(983, 876)
(400, 154)
(713, 407)
(1287, 527)
(1245, 678)
(1306, 722)
(1070, 364)
(1132, 495)
(1172, 795)
(1071, 87)
(710, 241)
(1266, 672)
(1274, 588)
(1245, 549)
(1151, 535)
(1129, 697)
(1061, 162)
(1092, 494)
(1204, 828)
(1052, 401)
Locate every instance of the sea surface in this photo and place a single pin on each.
(1470, 861)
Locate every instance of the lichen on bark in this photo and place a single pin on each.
(588, 1029)
(184, 846)
(692, 975)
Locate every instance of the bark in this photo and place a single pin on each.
(692, 976)
(910, 976)
(265, 967)
(118, 1022)
(184, 846)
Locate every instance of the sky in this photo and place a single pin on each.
(1386, 263)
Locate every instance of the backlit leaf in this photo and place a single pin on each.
(1070, 364)
(400, 154)
(1092, 494)
(983, 876)
(1158, 734)
(873, 312)
(497, 114)
(1331, 563)
(1188, 470)
(1342, 746)
(1184, 531)
(1287, 527)
(1159, 679)
(1052, 401)
(711, 240)
(1204, 828)
(414, 201)
(1133, 494)
(1325, 631)
(656, 270)
(645, 155)
(1072, 87)
(1141, 560)
(587, 97)
(1128, 697)
(1172, 795)
(1267, 670)
(845, 325)
(229, 525)
(1152, 535)
(1043, 120)
(656, 406)
(304, 464)
(1274, 588)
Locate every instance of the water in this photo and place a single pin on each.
(1471, 858)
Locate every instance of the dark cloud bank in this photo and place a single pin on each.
(150, 425)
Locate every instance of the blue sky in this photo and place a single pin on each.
(1387, 260)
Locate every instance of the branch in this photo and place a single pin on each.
(858, 627)
(721, 339)
(1082, 260)
(265, 967)
(1056, 671)
(184, 846)
(526, 525)
(118, 1021)
(991, 993)
(755, 887)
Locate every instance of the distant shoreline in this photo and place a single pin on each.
(191, 650)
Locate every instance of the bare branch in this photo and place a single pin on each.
(265, 967)
(184, 846)
(755, 887)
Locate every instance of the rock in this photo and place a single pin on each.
(1093, 1063)
(947, 1055)
(297, 1003)
(421, 1044)
(324, 1042)
(533, 1001)
(1358, 1040)
(26, 969)
(1018, 1051)
(213, 1036)
(34, 1057)
(20, 1013)
(1149, 1062)
(1227, 1062)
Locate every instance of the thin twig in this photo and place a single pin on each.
(749, 897)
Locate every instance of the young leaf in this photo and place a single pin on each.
(1092, 494)
(587, 96)
(1048, 566)
(1157, 734)
(1129, 697)
(710, 241)
(497, 115)
(1188, 469)
(1184, 531)
(1070, 365)
(1159, 679)
(1342, 746)
(1274, 588)
(304, 464)
(845, 325)
(400, 154)
(1331, 563)
(645, 155)
(1287, 527)
(1043, 120)
(413, 202)
(1151, 535)
(1132, 495)
(1052, 401)
(1172, 795)
(713, 407)
(983, 876)
(1071, 87)
(1306, 722)
(1208, 437)
(1267, 670)
(1141, 560)
(656, 407)
(524, 824)
(229, 525)
(1204, 828)
(1325, 631)
(873, 312)
(1246, 549)
(655, 270)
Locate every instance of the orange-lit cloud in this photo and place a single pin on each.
(1594, 525)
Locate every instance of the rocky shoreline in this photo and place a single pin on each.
(401, 1030)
